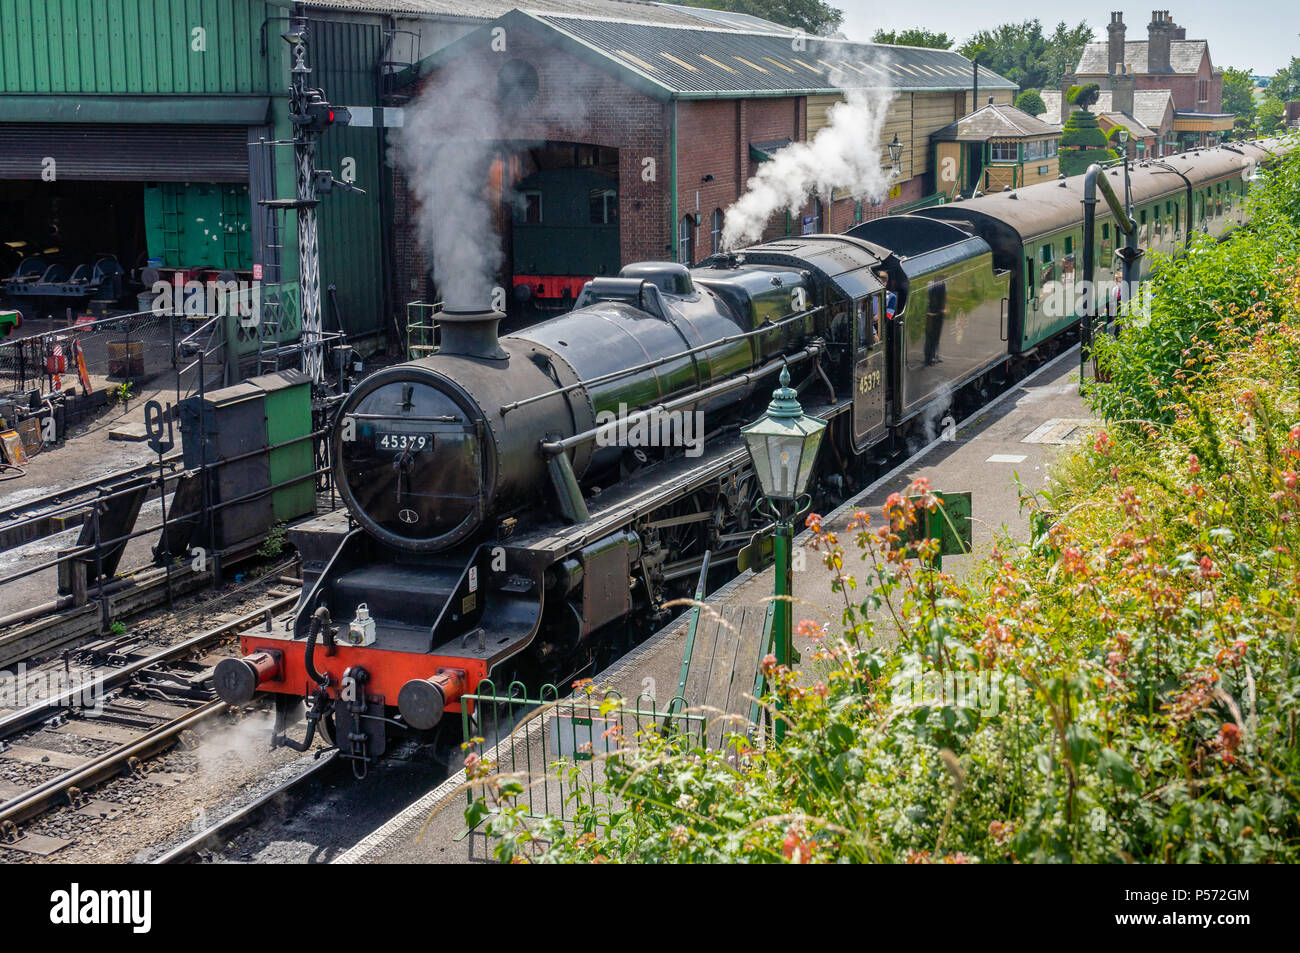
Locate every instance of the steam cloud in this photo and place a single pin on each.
(845, 154)
(446, 149)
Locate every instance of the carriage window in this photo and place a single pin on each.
(861, 310)
(533, 208)
(1029, 277)
(1105, 231)
(1045, 254)
(1069, 245)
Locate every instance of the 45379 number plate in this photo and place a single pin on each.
(415, 442)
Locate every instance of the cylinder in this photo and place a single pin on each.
(422, 700)
(236, 679)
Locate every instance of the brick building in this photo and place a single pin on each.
(679, 118)
(1166, 62)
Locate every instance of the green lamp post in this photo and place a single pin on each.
(783, 446)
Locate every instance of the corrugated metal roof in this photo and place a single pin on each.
(994, 122)
(730, 20)
(485, 10)
(1184, 57)
(1149, 106)
(715, 62)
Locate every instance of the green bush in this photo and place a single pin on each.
(1031, 102)
(1236, 284)
(1076, 161)
(1082, 132)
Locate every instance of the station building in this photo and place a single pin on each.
(669, 122)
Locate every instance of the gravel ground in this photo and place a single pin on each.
(183, 790)
(331, 814)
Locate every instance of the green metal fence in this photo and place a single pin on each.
(422, 328)
(556, 747)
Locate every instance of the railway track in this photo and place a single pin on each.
(138, 708)
(191, 849)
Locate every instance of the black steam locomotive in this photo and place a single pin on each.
(519, 505)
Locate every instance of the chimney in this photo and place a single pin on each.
(1159, 32)
(1067, 80)
(1115, 44)
(1180, 32)
(471, 334)
(1121, 91)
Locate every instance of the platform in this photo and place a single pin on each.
(1015, 437)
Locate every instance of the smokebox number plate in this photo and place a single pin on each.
(415, 442)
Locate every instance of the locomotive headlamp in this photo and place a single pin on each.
(783, 444)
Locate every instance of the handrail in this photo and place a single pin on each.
(635, 369)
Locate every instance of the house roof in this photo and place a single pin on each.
(1134, 127)
(707, 62)
(1184, 57)
(1150, 106)
(995, 122)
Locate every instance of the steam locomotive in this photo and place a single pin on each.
(499, 525)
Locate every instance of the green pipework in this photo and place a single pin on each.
(675, 224)
(783, 539)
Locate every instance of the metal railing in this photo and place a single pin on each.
(422, 328)
(121, 348)
(553, 746)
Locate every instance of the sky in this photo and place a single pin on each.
(1261, 36)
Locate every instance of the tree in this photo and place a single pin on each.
(914, 37)
(1025, 55)
(1029, 101)
(1239, 99)
(1085, 95)
(1286, 82)
(1082, 141)
(812, 16)
(1269, 115)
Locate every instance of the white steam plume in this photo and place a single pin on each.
(446, 148)
(845, 155)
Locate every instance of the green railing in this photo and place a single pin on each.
(422, 328)
(938, 198)
(554, 747)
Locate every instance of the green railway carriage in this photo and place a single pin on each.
(1037, 232)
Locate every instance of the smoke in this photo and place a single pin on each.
(446, 148)
(476, 111)
(844, 155)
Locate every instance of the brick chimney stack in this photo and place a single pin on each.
(1115, 44)
(1121, 90)
(1067, 80)
(1180, 32)
(1159, 33)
